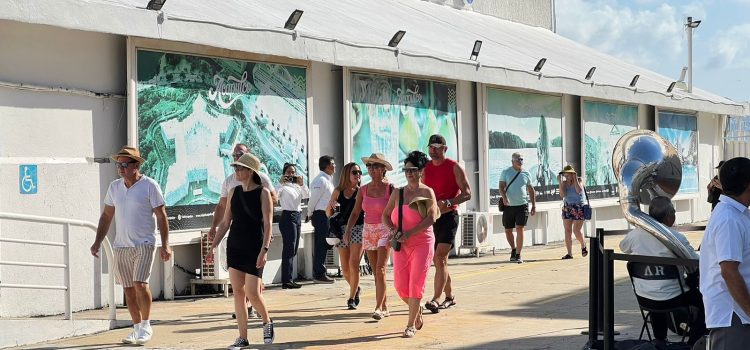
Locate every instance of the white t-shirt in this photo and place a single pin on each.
(231, 182)
(134, 211)
(321, 189)
(727, 238)
(640, 242)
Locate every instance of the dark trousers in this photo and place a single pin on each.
(659, 321)
(290, 227)
(320, 223)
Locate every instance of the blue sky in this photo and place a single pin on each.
(651, 34)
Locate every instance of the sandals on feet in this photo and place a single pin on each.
(419, 323)
(409, 332)
(448, 302)
(433, 306)
(567, 256)
(584, 252)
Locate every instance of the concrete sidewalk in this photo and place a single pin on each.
(540, 304)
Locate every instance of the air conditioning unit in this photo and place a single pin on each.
(218, 269)
(475, 233)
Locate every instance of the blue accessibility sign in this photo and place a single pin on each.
(27, 179)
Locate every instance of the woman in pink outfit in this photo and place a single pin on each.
(412, 262)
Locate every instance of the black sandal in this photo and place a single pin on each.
(448, 302)
(433, 306)
(567, 256)
(584, 252)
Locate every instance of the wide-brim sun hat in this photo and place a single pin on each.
(378, 158)
(248, 160)
(130, 152)
(568, 169)
(421, 204)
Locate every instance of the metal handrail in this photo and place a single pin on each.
(66, 245)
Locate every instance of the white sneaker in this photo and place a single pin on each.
(377, 315)
(130, 339)
(144, 335)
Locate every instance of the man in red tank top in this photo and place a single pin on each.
(448, 180)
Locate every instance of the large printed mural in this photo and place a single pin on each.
(682, 131)
(192, 110)
(396, 115)
(603, 125)
(532, 125)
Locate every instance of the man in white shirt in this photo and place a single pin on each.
(321, 189)
(133, 201)
(725, 260)
(663, 294)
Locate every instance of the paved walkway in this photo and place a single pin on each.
(540, 304)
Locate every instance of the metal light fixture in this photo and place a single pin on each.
(590, 74)
(690, 25)
(635, 80)
(293, 19)
(671, 86)
(396, 38)
(155, 4)
(475, 50)
(539, 65)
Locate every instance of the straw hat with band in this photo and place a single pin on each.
(422, 205)
(130, 152)
(248, 160)
(378, 158)
(567, 169)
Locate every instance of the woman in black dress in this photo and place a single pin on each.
(249, 211)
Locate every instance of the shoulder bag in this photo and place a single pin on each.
(587, 206)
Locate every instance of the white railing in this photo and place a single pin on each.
(66, 223)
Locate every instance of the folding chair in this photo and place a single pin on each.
(654, 272)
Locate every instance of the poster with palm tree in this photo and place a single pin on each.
(530, 124)
(682, 131)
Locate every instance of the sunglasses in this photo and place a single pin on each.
(374, 165)
(436, 146)
(239, 168)
(411, 169)
(357, 172)
(237, 155)
(123, 165)
(519, 159)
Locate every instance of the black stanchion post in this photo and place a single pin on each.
(593, 291)
(609, 300)
(599, 274)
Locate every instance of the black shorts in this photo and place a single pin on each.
(516, 215)
(445, 228)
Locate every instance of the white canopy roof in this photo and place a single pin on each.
(355, 33)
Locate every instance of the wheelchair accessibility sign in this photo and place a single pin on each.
(27, 179)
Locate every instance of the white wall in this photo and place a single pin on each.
(61, 133)
(538, 13)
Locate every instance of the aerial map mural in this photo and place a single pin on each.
(192, 110)
(532, 125)
(603, 125)
(396, 115)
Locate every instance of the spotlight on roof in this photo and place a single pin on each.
(590, 74)
(635, 80)
(475, 50)
(539, 65)
(396, 38)
(155, 4)
(671, 86)
(293, 19)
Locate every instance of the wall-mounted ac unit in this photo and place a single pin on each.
(218, 269)
(475, 232)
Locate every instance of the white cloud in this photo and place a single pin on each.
(645, 36)
(731, 48)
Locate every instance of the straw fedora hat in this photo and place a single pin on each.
(377, 158)
(568, 169)
(130, 152)
(421, 204)
(248, 160)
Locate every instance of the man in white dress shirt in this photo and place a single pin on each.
(321, 189)
(725, 260)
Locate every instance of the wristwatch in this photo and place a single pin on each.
(447, 202)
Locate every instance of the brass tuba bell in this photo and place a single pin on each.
(647, 166)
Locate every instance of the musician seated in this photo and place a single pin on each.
(664, 294)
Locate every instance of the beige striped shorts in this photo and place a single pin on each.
(133, 264)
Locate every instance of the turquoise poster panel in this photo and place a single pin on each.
(604, 124)
(192, 110)
(396, 115)
(532, 125)
(682, 131)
